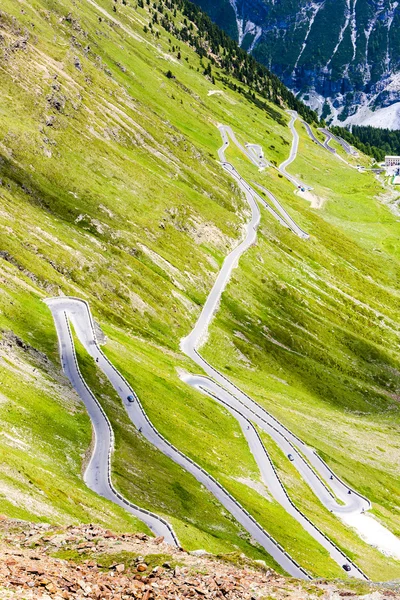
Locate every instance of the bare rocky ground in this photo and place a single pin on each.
(79, 562)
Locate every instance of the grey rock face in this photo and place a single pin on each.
(345, 51)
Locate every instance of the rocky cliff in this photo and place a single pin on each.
(341, 56)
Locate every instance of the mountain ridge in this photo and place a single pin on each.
(342, 57)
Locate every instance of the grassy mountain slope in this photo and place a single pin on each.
(111, 191)
(315, 326)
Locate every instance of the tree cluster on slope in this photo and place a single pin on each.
(371, 140)
(209, 41)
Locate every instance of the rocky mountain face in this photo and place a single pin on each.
(341, 56)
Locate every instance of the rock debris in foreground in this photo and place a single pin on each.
(102, 565)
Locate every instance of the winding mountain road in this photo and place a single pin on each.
(325, 144)
(98, 472)
(346, 146)
(283, 218)
(65, 309)
(254, 152)
(289, 220)
(97, 475)
(293, 154)
(331, 136)
(311, 134)
(313, 470)
(328, 137)
(331, 491)
(258, 154)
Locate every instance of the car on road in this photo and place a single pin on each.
(346, 567)
(290, 457)
(131, 399)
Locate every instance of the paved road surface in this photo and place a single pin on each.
(240, 405)
(254, 152)
(293, 154)
(246, 417)
(289, 220)
(346, 147)
(328, 137)
(318, 474)
(257, 152)
(326, 485)
(283, 218)
(311, 134)
(98, 472)
(77, 311)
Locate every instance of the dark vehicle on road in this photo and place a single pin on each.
(131, 399)
(346, 567)
(290, 457)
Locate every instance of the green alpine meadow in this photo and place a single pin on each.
(114, 191)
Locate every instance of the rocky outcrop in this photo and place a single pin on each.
(38, 561)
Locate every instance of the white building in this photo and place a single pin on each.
(392, 161)
(392, 165)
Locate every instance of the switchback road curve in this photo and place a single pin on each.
(325, 144)
(74, 310)
(282, 215)
(314, 471)
(293, 154)
(247, 412)
(97, 475)
(254, 152)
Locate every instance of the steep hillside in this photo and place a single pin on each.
(341, 56)
(112, 191)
